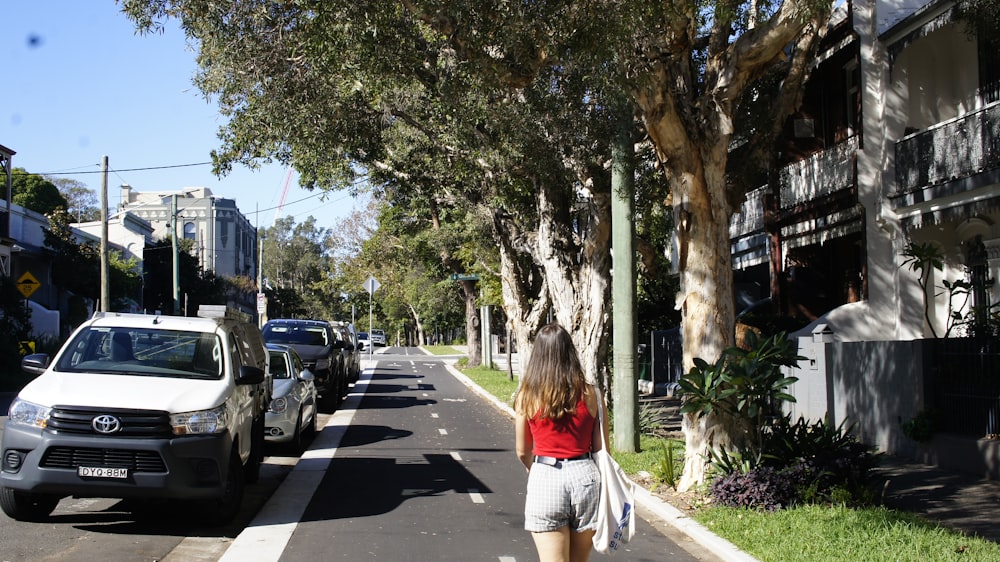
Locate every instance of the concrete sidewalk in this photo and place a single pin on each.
(960, 501)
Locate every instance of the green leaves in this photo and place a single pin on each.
(745, 384)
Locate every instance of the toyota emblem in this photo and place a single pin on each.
(106, 424)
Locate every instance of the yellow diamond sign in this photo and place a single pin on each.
(27, 284)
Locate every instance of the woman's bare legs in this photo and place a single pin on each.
(581, 545)
(562, 545)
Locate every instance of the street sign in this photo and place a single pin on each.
(25, 347)
(261, 303)
(371, 285)
(27, 284)
(464, 277)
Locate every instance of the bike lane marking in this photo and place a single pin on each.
(266, 537)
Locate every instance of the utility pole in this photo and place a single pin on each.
(177, 267)
(105, 280)
(625, 387)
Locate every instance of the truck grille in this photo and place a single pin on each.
(73, 457)
(133, 423)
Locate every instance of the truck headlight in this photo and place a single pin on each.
(28, 413)
(278, 405)
(200, 422)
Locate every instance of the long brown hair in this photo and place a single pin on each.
(553, 381)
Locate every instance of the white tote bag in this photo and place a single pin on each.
(616, 513)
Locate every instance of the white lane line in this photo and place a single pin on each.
(435, 416)
(507, 559)
(443, 431)
(456, 456)
(266, 537)
(476, 496)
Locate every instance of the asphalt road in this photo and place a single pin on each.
(414, 466)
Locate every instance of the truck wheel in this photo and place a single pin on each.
(256, 451)
(24, 506)
(224, 509)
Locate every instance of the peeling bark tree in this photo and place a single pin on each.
(688, 104)
(556, 269)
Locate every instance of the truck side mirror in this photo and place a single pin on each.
(36, 363)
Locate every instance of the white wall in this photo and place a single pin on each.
(941, 76)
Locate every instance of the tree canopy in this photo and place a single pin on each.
(35, 192)
(82, 202)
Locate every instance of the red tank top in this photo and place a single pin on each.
(565, 438)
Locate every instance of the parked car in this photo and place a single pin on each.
(363, 341)
(319, 349)
(351, 355)
(291, 415)
(378, 337)
(140, 406)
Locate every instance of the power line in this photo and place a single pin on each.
(125, 169)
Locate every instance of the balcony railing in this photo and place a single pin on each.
(826, 172)
(750, 217)
(951, 150)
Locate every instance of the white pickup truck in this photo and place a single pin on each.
(140, 406)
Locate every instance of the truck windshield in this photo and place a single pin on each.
(144, 351)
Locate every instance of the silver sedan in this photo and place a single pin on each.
(291, 416)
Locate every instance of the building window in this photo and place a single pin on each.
(189, 230)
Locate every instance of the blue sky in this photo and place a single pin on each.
(81, 84)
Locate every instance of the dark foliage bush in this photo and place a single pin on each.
(800, 463)
(761, 488)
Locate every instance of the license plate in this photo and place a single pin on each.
(102, 472)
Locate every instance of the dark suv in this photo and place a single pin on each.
(351, 354)
(320, 350)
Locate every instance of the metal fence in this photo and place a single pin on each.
(661, 360)
(962, 385)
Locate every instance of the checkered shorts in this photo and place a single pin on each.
(560, 496)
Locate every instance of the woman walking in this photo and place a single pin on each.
(555, 437)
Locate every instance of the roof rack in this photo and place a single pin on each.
(222, 311)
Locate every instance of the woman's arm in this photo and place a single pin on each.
(524, 443)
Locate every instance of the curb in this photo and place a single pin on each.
(671, 515)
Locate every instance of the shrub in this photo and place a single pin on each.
(762, 488)
(819, 463)
(666, 470)
(650, 422)
(921, 427)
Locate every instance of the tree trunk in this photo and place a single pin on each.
(559, 271)
(473, 335)
(706, 302)
(418, 325)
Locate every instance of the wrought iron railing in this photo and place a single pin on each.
(750, 216)
(824, 173)
(950, 150)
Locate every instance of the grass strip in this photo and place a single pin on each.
(817, 533)
(441, 350)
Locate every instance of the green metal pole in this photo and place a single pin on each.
(624, 388)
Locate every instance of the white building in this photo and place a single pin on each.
(225, 241)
